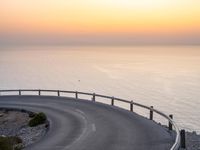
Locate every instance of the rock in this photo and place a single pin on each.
(47, 125)
(15, 123)
(19, 146)
(31, 114)
(192, 141)
(1, 115)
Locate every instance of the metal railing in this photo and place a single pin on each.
(172, 125)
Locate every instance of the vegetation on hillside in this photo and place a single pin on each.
(10, 143)
(38, 119)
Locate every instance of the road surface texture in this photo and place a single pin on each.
(85, 125)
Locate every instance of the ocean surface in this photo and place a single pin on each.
(166, 77)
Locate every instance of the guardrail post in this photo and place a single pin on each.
(182, 133)
(93, 98)
(39, 92)
(131, 106)
(170, 124)
(76, 95)
(151, 113)
(112, 101)
(58, 93)
(20, 93)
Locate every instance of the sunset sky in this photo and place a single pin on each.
(100, 21)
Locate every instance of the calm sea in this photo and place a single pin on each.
(166, 77)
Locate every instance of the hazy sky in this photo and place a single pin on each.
(99, 21)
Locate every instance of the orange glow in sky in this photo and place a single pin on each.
(100, 16)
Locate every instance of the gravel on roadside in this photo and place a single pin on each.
(15, 123)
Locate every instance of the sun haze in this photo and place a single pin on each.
(101, 18)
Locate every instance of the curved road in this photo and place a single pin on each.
(85, 125)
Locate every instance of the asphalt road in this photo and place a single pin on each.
(85, 125)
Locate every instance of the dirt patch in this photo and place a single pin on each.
(14, 122)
